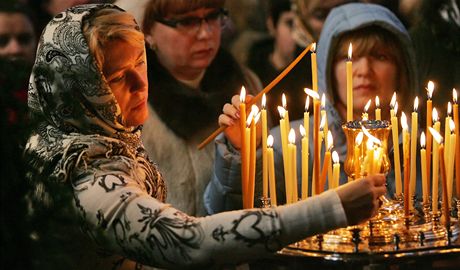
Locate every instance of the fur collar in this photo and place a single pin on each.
(184, 110)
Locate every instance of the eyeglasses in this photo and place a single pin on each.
(193, 24)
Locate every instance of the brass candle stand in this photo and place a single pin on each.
(390, 235)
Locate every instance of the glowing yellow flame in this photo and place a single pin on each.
(377, 102)
(430, 89)
(422, 140)
(335, 157)
(270, 141)
(415, 104)
(323, 101)
(359, 138)
(283, 99)
(243, 94)
(282, 112)
(371, 138)
(436, 135)
(449, 108)
(291, 136)
(452, 125)
(435, 115)
(454, 95)
(307, 103)
(393, 100)
(264, 101)
(350, 52)
(323, 122)
(330, 140)
(313, 47)
(404, 121)
(368, 105)
(311, 93)
(302, 131)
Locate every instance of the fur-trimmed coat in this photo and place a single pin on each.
(181, 117)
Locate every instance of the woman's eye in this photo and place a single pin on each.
(140, 63)
(117, 79)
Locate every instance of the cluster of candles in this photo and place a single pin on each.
(434, 150)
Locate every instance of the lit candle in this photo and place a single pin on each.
(445, 202)
(429, 123)
(413, 150)
(244, 146)
(373, 145)
(284, 141)
(378, 113)
(252, 120)
(314, 70)
(326, 164)
(286, 114)
(349, 85)
(457, 146)
(357, 154)
(406, 142)
(395, 136)
(316, 142)
(319, 185)
(450, 159)
(435, 170)
(423, 163)
(305, 164)
(365, 115)
(369, 159)
(293, 166)
(324, 115)
(447, 132)
(336, 169)
(271, 170)
(264, 148)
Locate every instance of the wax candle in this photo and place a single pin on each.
(286, 114)
(326, 164)
(365, 115)
(450, 159)
(395, 137)
(314, 70)
(264, 148)
(357, 155)
(324, 115)
(271, 171)
(413, 149)
(316, 139)
(445, 202)
(284, 145)
(243, 150)
(406, 143)
(336, 169)
(435, 162)
(305, 165)
(429, 123)
(447, 131)
(378, 113)
(457, 145)
(369, 159)
(423, 163)
(251, 123)
(293, 165)
(349, 69)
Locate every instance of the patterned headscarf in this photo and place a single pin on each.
(79, 118)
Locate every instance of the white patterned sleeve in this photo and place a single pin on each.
(124, 219)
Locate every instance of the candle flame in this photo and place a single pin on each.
(368, 105)
(291, 136)
(377, 153)
(393, 101)
(307, 103)
(313, 47)
(323, 122)
(416, 104)
(449, 108)
(396, 108)
(422, 140)
(243, 94)
(404, 121)
(256, 118)
(359, 138)
(377, 102)
(452, 125)
(371, 137)
(252, 115)
(311, 93)
(250, 119)
(335, 157)
(323, 101)
(270, 141)
(435, 115)
(302, 131)
(436, 135)
(281, 111)
(350, 52)
(454, 95)
(283, 99)
(430, 89)
(369, 144)
(264, 101)
(330, 140)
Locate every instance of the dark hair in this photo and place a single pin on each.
(276, 8)
(14, 7)
(155, 9)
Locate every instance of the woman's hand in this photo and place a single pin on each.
(231, 118)
(360, 198)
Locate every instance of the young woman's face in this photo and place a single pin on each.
(374, 74)
(125, 70)
(187, 49)
(283, 34)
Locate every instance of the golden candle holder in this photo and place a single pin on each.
(389, 237)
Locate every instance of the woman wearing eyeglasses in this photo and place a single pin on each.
(191, 77)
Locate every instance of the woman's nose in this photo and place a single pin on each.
(138, 81)
(362, 66)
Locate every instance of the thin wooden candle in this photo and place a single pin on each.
(304, 193)
(413, 150)
(264, 148)
(378, 111)
(349, 69)
(423, 163)
(271, 171)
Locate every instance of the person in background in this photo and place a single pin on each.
(191, 78)
(92, 175)
(268, 57)
(383, 62)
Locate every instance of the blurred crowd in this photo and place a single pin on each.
(261, 36)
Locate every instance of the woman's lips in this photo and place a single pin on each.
(363, 88)
(141, 103)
